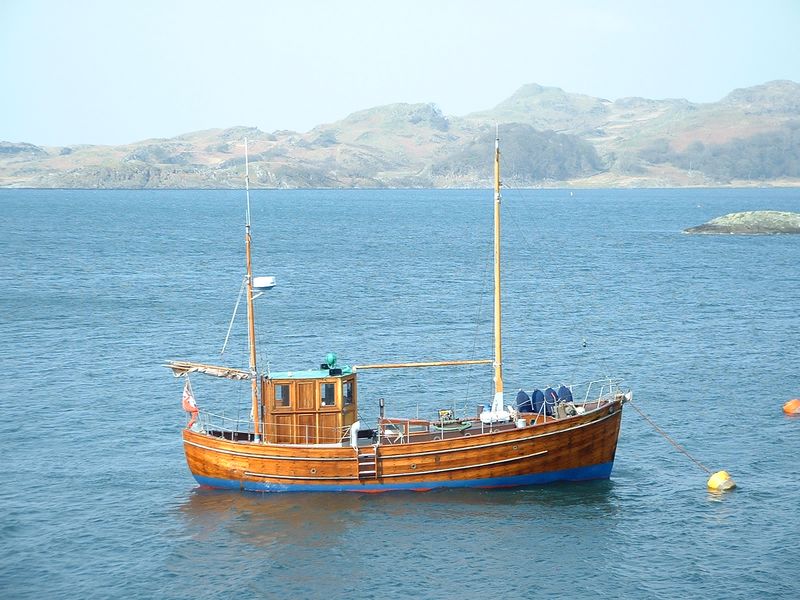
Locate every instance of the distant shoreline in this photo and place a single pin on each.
(550, 138)
(566, 187)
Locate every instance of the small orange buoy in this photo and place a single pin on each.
(792, 407)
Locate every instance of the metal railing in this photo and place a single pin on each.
(391, 430)
(608, 389)
(594, 392)
(241, 427)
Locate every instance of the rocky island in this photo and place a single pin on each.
(751, 222)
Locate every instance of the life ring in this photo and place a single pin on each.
(454, 425)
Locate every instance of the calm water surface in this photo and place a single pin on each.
(100, 287)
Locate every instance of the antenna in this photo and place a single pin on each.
(247, 180)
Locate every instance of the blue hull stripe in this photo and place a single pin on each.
(602, 471)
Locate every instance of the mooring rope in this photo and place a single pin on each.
(669, 439)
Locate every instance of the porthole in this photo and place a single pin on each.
(414, 466)
(313, 471)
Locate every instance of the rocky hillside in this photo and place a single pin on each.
(550, 138)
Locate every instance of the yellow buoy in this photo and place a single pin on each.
(721, 481)
(792, 407)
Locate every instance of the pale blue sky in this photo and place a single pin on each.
(82, 71)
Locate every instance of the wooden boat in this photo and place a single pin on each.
(306, 435)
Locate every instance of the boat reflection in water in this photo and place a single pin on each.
(307, 518)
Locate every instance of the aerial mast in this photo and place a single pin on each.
(251, 324)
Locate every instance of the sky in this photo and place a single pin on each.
(120, 71)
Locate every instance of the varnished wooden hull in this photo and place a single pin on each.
(572, 449)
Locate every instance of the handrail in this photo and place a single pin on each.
(596, 391)
(613, 387)
(209, 421)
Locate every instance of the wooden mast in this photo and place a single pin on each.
(497, 404)
(251, 322)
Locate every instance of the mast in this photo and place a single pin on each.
(251, 323)
(497, 403)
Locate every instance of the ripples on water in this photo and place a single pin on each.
(100, 287)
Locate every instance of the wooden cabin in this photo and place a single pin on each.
(309, 407)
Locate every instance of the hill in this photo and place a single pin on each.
(550, 138)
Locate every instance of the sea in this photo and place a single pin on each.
(98, 289)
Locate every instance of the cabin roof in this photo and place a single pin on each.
(312, 373)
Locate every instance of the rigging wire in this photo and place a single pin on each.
(233, 317)
(475, 335)
(559, 286)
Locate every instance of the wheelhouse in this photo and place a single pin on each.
(309, 407)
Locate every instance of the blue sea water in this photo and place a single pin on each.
(99, 288)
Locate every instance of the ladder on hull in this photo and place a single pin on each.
(368, 465)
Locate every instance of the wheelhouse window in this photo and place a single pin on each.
(282, 399)
(347, 393)
(328, 394)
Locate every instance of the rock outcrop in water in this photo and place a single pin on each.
(751, 222)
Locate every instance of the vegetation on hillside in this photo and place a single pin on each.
(529, 156)
(769, 155)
